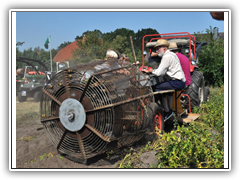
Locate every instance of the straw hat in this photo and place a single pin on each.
(173, 46)
(161, 42)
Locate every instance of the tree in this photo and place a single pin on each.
(38, 54)
(123, 32)
(116, 40)
(211, 58)
(91, 47)
(63, 45)
(97, 32)
(140, 34)
(119, 44)
(20, 43)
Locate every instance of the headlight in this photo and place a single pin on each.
(194, 63)
(32, 85)
(21, 85)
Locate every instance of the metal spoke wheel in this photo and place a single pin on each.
(84, 111)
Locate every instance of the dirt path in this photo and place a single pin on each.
(35, 150)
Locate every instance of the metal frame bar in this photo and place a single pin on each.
(119, 103)
(189, 101)
(170, 37)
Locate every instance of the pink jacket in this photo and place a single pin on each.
(184, 61)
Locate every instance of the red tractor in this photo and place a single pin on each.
(196, 93)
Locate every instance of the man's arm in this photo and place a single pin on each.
(162, 68)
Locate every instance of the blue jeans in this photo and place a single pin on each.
(169, 85)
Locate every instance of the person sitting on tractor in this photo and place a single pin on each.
(170, 68)
(183, 60)
(154, 60)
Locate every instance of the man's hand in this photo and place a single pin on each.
(150, 70)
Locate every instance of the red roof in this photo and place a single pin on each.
(65, 54)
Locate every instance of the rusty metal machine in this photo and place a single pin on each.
(90, 108)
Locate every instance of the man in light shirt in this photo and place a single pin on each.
(171, 70)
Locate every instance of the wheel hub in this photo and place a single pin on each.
(157, 120)
(72, 114)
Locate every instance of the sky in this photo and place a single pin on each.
(33, 27)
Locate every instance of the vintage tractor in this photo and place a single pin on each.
(196, 92)
(31, 82)
(92, 108)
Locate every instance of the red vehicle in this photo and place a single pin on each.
(196, 92)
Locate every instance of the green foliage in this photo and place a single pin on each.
(63, 45)
(193, 146)
(119, 44)
(45, 155)
(213, 111)
(108, 37)
(97, 33)
(211, 58)
(39, 54)
(93, 44)
(199, 144)
(20, 43)
(91, 47)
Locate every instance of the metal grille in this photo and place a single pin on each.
(114, 97)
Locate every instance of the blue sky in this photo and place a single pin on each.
(34, 27)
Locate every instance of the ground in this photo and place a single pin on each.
(35, 150)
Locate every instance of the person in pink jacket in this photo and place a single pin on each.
(184, 61)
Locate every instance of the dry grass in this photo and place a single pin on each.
(27, 111)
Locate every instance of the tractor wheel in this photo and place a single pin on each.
(37, 96)
(196, 90)
(156, 119)
(21, 98)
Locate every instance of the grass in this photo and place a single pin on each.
(27, 111)
(43, 156)
(29, 138)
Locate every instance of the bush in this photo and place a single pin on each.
(213, 111)
(199, 144)
(194, 146)
(211, 58)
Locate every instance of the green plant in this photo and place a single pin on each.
(211, 58)
(212, 112)
(29, 138)
(199, 144)
(191, 146)
(46, 156)
(61, 157)
(109, 152)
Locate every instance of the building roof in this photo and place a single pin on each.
(65, 54)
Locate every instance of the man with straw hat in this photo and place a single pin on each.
(170, 68)
(184, 61)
